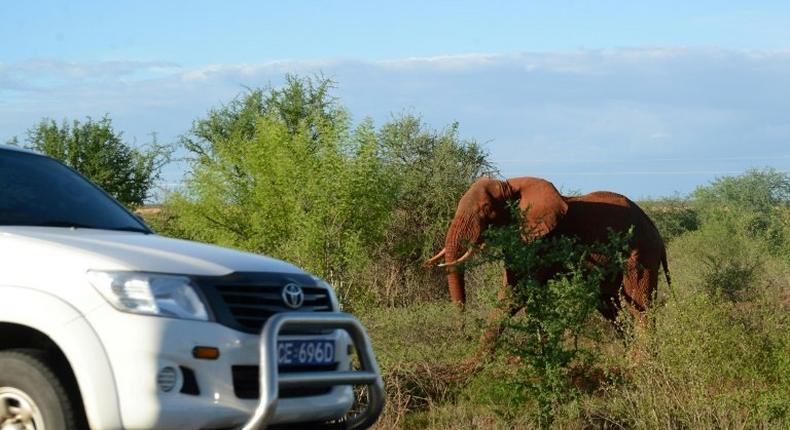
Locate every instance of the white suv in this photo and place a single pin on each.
(105, 325)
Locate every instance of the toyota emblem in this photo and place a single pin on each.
(293, 296)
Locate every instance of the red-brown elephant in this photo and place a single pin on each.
(588, 218)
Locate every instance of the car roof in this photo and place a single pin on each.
(17, 149)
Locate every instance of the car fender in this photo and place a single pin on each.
(78, 341)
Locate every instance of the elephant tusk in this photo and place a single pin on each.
(460, 260)
(435, 258)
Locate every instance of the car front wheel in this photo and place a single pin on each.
(32, 397)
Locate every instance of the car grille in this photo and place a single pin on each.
(246, 382)
(246, 301)
(251, 306)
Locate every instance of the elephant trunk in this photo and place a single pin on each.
(464, 232)
(455, 281)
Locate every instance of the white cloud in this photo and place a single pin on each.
(62, 71)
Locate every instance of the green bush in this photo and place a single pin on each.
(673, 216)
(96, 150)
(432, 170)
(281, 173)
(547, 336)
(757, 202)
(719, 260)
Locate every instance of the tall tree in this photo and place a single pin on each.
(432, 169)
(278, 171)
(96, 150)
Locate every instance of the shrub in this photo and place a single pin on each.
(673, 216)
(719, 260)
(728, 277)
(757, 202)
(432, 170)
(546, 336)
(279, 172)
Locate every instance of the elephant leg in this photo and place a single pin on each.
(505, 307)
(495, 328)
(609, 307)
(640, 279)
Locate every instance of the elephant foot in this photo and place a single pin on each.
(593, 379)
(471, 364)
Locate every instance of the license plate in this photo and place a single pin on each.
(293, 353)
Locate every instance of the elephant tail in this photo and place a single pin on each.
(659, 240)
(666, 268)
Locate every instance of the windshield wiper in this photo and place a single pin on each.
(70, 224)
(61, 224)
(134, 229)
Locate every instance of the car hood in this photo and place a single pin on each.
(117, 250)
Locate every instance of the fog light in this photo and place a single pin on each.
(166, 379)
(205, 352)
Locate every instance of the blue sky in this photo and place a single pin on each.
(645, 98)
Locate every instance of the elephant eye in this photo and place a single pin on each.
(488, 211)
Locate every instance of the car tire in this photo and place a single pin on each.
(32, 395)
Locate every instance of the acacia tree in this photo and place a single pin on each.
(432, 170)
(96, 150)
(279, 171)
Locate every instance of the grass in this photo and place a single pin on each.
(710, 360)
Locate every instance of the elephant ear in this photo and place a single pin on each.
(542, 203)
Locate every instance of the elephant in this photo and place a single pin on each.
(588, 218)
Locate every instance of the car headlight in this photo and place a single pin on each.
(151, 294)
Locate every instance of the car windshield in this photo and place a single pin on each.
(39, 191)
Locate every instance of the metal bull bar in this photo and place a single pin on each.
(271, 381)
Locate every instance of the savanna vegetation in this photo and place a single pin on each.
(286, 172)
